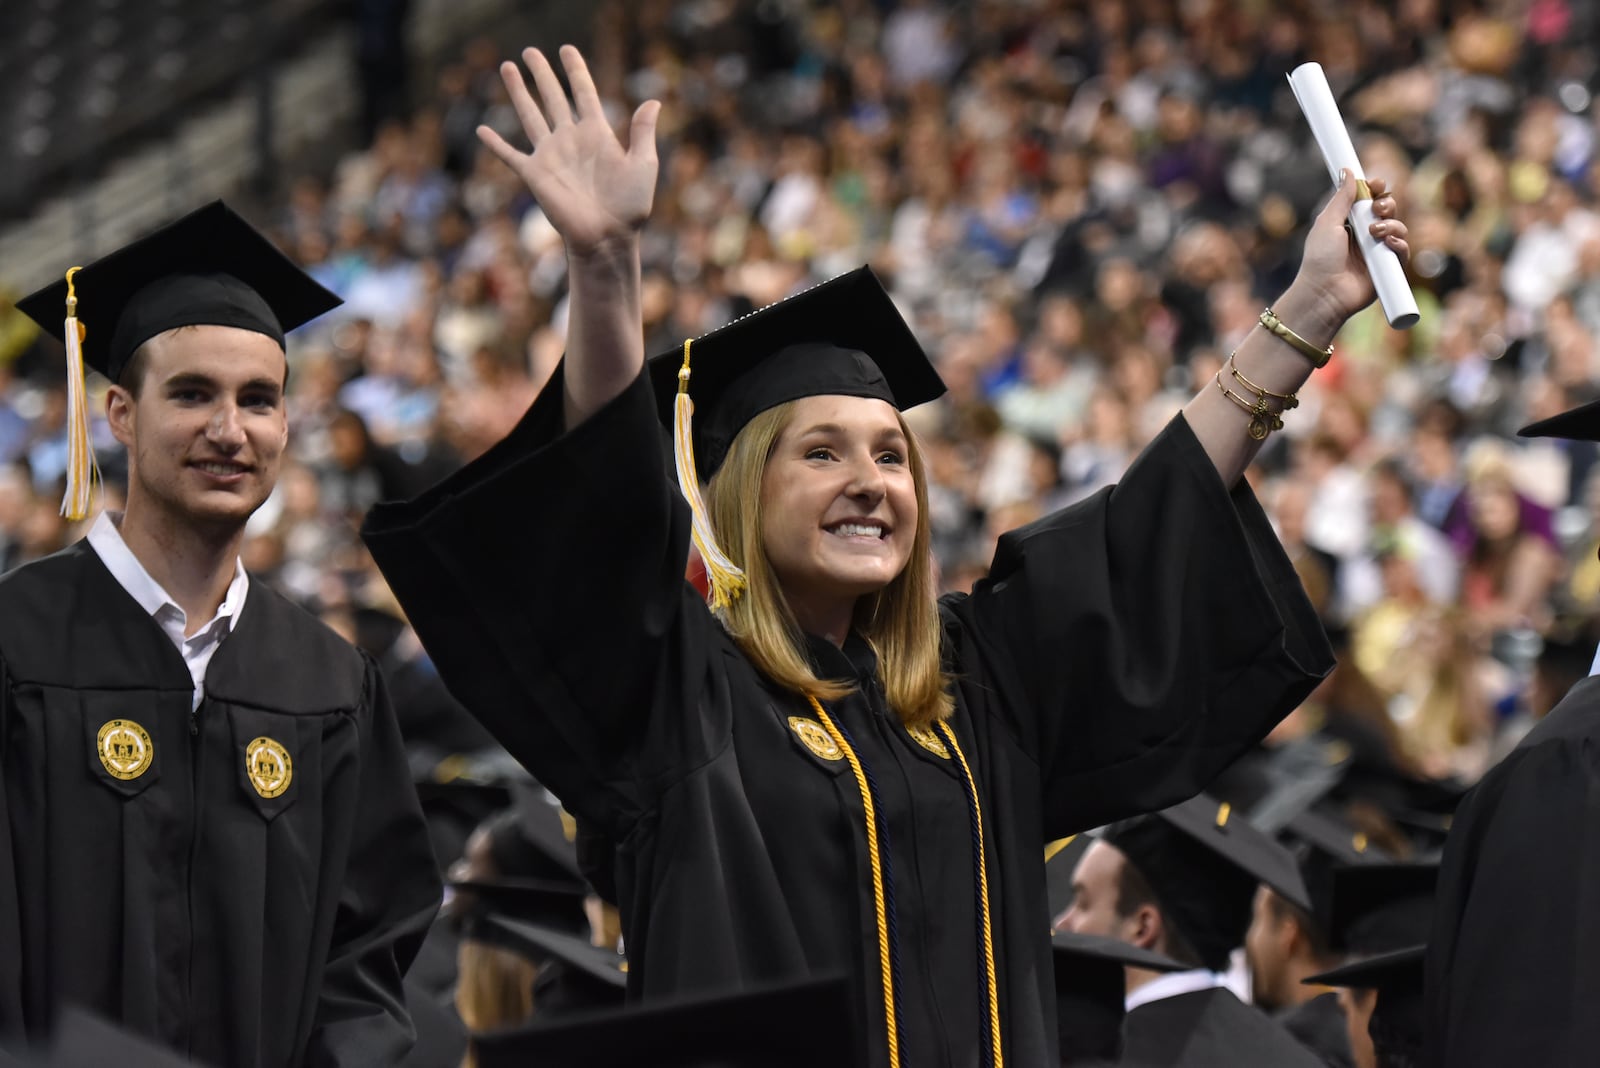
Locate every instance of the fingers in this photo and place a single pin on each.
(1344, 197)
(551, 95)
(497, 144)
(528, 112)
(642, 132)
(584, 94)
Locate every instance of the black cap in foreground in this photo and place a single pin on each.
(803, 1025)
(1203, 862)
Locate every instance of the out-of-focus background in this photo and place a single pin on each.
(1081, 206)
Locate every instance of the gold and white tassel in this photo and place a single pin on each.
(725, 578)
(82, 469)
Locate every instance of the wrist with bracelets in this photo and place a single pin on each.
(1264, 418)
(1319, 357)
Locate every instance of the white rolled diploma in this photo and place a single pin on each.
(1388, 275)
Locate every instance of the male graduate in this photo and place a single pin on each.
(1181, 882)
(208, 833)
(1513, 964)
(1287, 943)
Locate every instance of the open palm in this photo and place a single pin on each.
(593, 189)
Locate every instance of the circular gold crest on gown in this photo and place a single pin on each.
(125, 748)
(267, 764)
(929, 739)
(815, 738)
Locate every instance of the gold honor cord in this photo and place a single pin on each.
(997, 1058)
(880, 909)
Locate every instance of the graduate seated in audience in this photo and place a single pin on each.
(208, 830)
(826, 767)
(1381, 915)
(1181, 883)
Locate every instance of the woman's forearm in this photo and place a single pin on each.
(605, 327)
(1221, 424)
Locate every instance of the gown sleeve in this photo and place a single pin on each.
(11, 1021)
(546, 580)
(390, 895)
(1514, 957)
(1144, 638)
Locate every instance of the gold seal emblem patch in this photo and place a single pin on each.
(267, 764)
(125, 748)
(929, 740)
(816, 739)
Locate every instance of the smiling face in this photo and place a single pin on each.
(207, 430)
(839, 506)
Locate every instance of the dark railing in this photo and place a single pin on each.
(83, 80)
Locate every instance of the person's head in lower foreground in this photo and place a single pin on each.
(815, 519)
(1090, 993)
(188, 324)
(1180, 882)
(1382, 914)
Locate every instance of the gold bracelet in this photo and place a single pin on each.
(1319, 357)
(1263, 420)
(1290, 401)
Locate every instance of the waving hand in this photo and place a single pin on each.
(594, 189)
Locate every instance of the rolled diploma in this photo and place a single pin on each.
(1311, 90)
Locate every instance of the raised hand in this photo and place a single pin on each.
(594, 190)
(1332, 266)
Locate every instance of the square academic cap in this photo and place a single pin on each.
(1091, 991)
(210, 268)
(843, 337)
(1203, 862)
(1579, 424)
(1381, 908)
(540, 901)
(804, 1025)
(573, 974)
(83, 1040)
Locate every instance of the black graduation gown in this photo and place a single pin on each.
(1319, 1025)
(1123, 652)
(1208, 1029)
(1513, 966)
(237, 928)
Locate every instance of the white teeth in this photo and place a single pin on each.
(220, 469)
(858, 530)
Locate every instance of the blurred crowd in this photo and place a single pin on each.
(1081, 207)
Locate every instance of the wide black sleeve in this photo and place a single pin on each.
(1145, 638)
(390, 895)
(11, 1021)
(546, 580)
(1513, 969)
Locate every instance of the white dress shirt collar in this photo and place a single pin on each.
(1173, 984)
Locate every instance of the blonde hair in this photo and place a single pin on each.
(495, 988)
(900, 622)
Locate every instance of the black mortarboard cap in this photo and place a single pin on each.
(804, 1025)
(542, 901)
(1203, 862)
(1381, 908)
(84, 1040)
(1578, 424)
(1091, 991)
(1060, 862)
(208, 268)
(844, 336)
(573, 973)
(548, 832)
(1323, 843)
